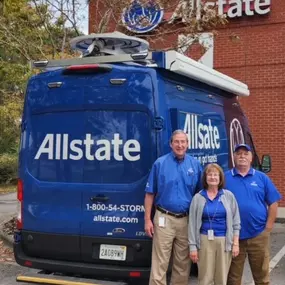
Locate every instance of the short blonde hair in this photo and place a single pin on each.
(207, 169)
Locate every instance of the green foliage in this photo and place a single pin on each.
(10, 115)
(8, 168)
(14, 77)
(29, 30)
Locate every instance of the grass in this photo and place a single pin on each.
(7, 188)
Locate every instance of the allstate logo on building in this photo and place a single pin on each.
(142, 17)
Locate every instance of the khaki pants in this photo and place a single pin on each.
(257, 250)
(214, 262)
(173, 238)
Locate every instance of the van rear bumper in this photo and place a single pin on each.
(79, 268)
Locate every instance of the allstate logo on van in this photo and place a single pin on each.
(59, 146)
(201, 136)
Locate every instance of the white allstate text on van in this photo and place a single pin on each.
(59, 146)
(201, 136)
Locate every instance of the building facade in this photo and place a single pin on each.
(250, 48)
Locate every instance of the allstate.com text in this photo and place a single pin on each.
(114, 219)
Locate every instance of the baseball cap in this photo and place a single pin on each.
(246, 146)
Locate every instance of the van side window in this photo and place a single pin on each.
(255, 158)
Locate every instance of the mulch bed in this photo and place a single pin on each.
(6, 253)
(10, 226)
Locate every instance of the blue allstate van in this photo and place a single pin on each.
(91, 129)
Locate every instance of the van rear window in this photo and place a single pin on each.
(90, 147)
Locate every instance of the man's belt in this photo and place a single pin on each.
(179, 215)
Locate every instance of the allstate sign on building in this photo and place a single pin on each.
(238, 8)
(143, 17)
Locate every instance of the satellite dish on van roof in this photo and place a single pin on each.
(108, 44)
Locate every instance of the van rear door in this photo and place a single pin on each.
(120, 149)
(87, 148)
(51, 207)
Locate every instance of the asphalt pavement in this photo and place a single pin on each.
(8, 204)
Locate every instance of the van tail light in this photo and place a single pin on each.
(134, 274)
(20, 204)
(87, 69)
(29, 264)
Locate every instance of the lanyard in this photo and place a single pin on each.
(217, 206)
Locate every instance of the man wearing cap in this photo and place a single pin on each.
(257, 199)
(173, 181)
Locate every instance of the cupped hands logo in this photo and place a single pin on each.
(142, 16)
(236, 136)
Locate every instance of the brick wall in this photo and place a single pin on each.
(251, 49)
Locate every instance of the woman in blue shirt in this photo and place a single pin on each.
(214, 226)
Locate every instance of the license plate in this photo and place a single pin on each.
(113, 252)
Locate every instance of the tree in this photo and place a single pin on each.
(29, 30)
(37, 28)
(180, 17)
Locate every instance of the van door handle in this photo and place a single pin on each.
(99, 198)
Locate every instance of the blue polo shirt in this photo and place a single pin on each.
(253, 192)
(214, 215)
(174, 182)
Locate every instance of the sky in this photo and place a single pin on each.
(84, 14)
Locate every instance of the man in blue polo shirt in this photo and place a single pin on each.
(173, 180)
(257, 198)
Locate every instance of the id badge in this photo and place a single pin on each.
(161, 222)
(210, 234)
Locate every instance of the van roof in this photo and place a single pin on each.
(183, 65)
(169, 60)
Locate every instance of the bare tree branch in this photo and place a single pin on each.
(46, 28)
(180, 18)
(72, 20)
